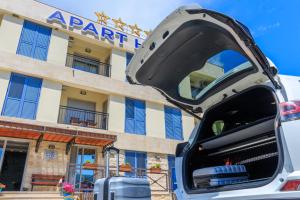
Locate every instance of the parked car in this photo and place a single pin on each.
(246, 145)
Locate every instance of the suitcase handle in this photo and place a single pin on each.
(107, 152)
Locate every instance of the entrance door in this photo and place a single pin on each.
(13, 164)
(83, 177)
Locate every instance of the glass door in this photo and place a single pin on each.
(83, 168)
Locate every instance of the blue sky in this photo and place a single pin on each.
(273, 23)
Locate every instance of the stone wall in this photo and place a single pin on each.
(39, 163)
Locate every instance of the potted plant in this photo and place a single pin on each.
(125, 167)
(2, 186)
(89, 165)
(68, 191)
(155, 169)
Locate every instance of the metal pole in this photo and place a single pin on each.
(107, 164)
(117, 172)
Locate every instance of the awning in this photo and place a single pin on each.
(46, 133)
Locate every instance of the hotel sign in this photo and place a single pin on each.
(90, 29)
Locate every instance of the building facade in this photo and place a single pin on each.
(64, 97)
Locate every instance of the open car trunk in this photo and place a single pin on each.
(241, 131)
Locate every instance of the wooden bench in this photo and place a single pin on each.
(45, 180)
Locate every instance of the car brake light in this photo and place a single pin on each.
(290, 110)
(292, 185)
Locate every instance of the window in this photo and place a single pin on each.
(128, 57)
(135, 116)
(173, 123)
(138, 161)
(82, 177)
(34, 41)
(210, 72)
(86, 64)
(22, 96)
(171, 163)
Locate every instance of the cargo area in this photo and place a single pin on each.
(238, 132)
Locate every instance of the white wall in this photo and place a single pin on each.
(58, 48)
(188, 124)
(4, 81)
(48, 107)
(116, 110)
(10, 31)
(74, 93)
(118, 64)
(155, 120)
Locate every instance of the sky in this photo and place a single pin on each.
(274, 24)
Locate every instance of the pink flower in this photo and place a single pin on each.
(69, 188)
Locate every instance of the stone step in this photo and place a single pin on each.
(30, 195)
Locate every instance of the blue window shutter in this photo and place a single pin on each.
(173, 123)
(177, 124)
(34, 40)
(141, 160)
(130, 158)
(14, 96)
(42, 42)
(140, 117)
(138, 160)
(27, 39)
(22, 96)
(31, 97)
(129, 115)
(169, 123)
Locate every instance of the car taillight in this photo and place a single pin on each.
(292, 185)
(290, 110)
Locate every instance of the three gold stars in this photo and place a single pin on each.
(102, 17)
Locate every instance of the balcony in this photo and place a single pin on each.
(83, 177)
(83, 118)
(88, 65)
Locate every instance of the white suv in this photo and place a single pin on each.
(246, 145)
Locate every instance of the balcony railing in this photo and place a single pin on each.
(88, 64)
(84, 177)
(84, 118)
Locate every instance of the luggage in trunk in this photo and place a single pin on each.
(122, 188)
(235, 134)
(219, 175)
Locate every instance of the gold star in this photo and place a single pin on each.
(135, 29)
(119, 23)
(147, 32)
(102, 17)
